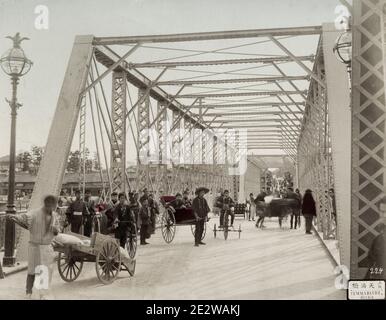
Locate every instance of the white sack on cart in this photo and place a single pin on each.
(67, 239)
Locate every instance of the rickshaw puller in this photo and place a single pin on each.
(200, 210)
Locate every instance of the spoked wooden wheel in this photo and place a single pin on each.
(226, 225)
(168, 226)
(96, 223)
(131, 243)
(69, 268)
(193, 229)
(108, 262)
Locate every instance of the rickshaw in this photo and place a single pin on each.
(171, 218)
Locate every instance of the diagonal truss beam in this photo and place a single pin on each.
(300, 63)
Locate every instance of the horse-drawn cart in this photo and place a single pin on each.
(171, 218)
(279, 208)
(103, 250)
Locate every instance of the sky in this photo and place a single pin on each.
(50, 49)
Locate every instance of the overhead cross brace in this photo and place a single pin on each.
(202, 36)
(217, 62)
(241, 94)
(239, 80)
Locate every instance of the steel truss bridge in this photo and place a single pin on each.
(190, 107)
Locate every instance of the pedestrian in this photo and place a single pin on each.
(123, 218)
(332, 203)
(308, 210)
(154, 210)
(145, 195)
(110, 208)
(252, 207)
(260, 208)
(297, 191)
(90, 213)
(295, 207)
(43, 225)
(200, 210)
(145, 215)
(76, 212)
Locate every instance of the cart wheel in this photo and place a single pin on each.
(239, 230)
(193, 228)
(96, 224)
(214, 230)
(226, 225)
(69, 268)
(225, 232)
(131, 242)
(131, 267)
(108, 262)
(204, 232)
(168, 226)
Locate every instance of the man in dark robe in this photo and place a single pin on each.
(123, 220)
(76, 212)
(200, 210)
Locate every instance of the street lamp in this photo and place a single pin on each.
(343, 50)
(15, 64)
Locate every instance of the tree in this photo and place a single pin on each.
(73, 163)
(25, 161)
(88, 165)
(36, 158)
(96, 164)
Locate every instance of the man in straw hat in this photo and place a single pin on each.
(200, 210)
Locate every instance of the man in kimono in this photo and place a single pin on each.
(154, 209)
(178, 203)
(89, 213)
(145, 195)
(145, 215)
(43, 225)
(123, 218)
(200, 210)
(185, 198)
(75, 213)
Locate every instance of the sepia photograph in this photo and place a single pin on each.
(195, 153)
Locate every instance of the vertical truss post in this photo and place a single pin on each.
(162, 130)
(188, 176)
(215, 165)
(143, 153)
(368, 130)
(175, 151)
(82, 145)
(118, 134)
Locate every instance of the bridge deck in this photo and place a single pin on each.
(263, 264)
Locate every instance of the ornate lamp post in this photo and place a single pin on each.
(343, 50)
(15, 64)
